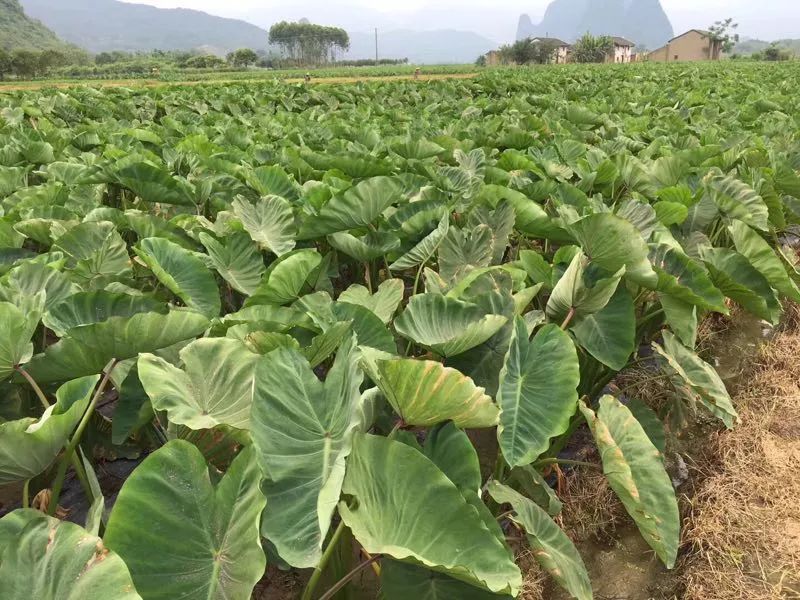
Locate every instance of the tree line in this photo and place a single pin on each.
(304, 43)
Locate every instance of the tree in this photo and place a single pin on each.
(25, 63)
(205, 61)
(49, 59)
(528, 51)
(775, 53)
(307, 43)
(243, 57)
(591, 49)
(5, 64)
(723, 37)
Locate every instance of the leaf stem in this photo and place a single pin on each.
(346, 579)
(34, 385)
(76, 438)
(568, 318)
(308, 592)
(26, 499)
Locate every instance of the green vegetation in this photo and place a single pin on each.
(18, 31)
(306, 44)
(592, 49)
(294, 300)
(528, 51)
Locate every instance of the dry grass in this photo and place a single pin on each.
(743, 524)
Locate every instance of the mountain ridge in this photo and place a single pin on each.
(19, 31)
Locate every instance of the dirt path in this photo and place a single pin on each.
(155, 83)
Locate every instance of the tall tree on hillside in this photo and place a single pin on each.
(307, 43)
(591, 49)
(723, 37)
(25, 63)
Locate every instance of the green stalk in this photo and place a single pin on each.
(34, 385)
(58, 483)
(308, 593)
(568, 318)
(346, 579)
(26, 500)
(82, 478)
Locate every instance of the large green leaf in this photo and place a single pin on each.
(681, 277)
(182, 273)
(214, 387)
(552, 549)
(85, 308)
(358, 206)
(401, 581)
(695, 379)
(609, 335)
(424, 250)
(47, 559)
(154, 184)
(736, 199)
(270, 223)
(28, 446)
(463, 251)
(370, 246)
(751, 245)
(740, 281)
(87, 349)
(611, 242)
(446, 325)
(16, 330)
(285, 278)
(582, 290)
(302, 430)
(383, 302)
(237, 260)
(537, 393)
(183, 536)
(272, 180)
(425, 393)
(96, 250)
(398, 503)
(635, 470)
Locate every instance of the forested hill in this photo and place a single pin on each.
(102, 25)
(641, 21)
(18, 30)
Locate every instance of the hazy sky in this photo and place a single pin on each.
(765, 19)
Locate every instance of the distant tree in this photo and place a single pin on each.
(24, 63)
(243, 57)
(307, 43)
(205, 61)
(529, 51)
(723, 37)
(480, 61)
(49, 59)
(5, 64)
(591, 49)
(774, 52)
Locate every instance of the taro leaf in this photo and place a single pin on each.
(537, 393)
(85, 308)
(464, 251)
(445, 325)
(270, 223)
(237, 260)
(696, 379)
(760, 254)
(370, 246)
(609, 335)
(736, 199)
(272, 180)
(740, 281)
(671, 213)
(534, 486)
(96, 250)
(398, 503)
(302, 431)
(75, 566)
(682, 316)
(582, 290)
(16, 329)
(133, 408)
(87, 349)
(30, 278)
(537, 268)
(425, 249)
(416, 148)
(425, 393)
(28, 446)
(154, 184)
(95, 514)
(449, 448)
(501, 223)
(401, 581)
(383, 302)
(285, 278)
(369, 329)
(358, 206)
(683, 278)
(214, 387)
(611, 242)
(184, 537)
(635, 471)
(650, 422)
(552, 549)
(182, 273)
(326, 343)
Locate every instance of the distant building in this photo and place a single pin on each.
(695, 44)
(623, 50)
(561, 52)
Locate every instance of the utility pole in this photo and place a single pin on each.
(376, 46)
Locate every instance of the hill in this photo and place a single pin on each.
(18, 30)
(443, 46)
(102, 25)
(748, 47)
(641, 21)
